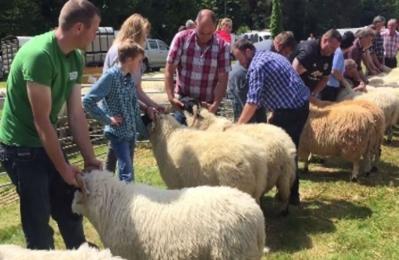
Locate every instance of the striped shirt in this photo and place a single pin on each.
(378, 46)
(117, 93)
(391, 44)
(274, 84)
(198, 68)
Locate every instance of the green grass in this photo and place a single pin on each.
(2, 84)
(338, 219)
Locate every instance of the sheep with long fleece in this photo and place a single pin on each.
(139, 222)
(385, 100)
(279, 147)
(189, 157)
(350, 129)
(84, 252)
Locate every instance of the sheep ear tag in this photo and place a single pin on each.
(82, 184)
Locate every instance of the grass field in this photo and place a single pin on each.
(2, 84)
(337, 220)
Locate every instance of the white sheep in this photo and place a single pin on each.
(279, 147)
(385, 100)
(189, 157)
(350, 129)
(84, 252)
(145, 223)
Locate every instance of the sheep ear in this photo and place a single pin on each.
(82, 184)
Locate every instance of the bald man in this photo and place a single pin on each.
(201, 61)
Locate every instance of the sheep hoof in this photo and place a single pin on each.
(374, 169)
(305, 170)
(389, 141)
(354, 179)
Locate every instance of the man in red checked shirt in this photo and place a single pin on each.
(201, 61)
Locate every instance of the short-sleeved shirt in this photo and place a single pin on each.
(41, 61)
(274, 84)
(391, 44)
(378, 46)
(339, 65)
(117, 92)
(309, 55)
(356, 53)
(198, 68)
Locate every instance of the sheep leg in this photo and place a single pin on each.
(306, 165)
(390, 134)
(283, 194)
(355, 170)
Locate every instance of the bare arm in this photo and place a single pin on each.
(219, 92)
(298, 67)
(337, 74)
(320, 85)
(40, 100)
(170, 70)
(79, 128)
(247, 113)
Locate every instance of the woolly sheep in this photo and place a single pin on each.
(349, 129)
(385, 100)
(281, 151)
(13, 252)
(189, 157)
(145, 223)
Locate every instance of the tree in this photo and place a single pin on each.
(276, 25)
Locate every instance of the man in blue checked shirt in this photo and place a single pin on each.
(274, 85)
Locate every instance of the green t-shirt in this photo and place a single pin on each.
(40, 60)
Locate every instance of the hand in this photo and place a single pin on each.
(211, 107)
(176, 102)
(151, 112)
(68, 173)
(93, 164)
(116, 120)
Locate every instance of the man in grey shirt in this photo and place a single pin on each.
(284, 44)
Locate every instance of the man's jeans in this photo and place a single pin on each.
(124, 151)
(42, 193)
(292, 121)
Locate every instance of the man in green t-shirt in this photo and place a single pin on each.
(46, 73)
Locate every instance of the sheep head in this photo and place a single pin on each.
(163, 124)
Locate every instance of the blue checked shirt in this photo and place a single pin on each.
(274, 84)
(117, 94)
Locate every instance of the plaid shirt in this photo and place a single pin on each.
(378, 46)
(197, 69)
(391, 44)
(274, 84)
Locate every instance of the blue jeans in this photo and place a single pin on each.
(42, 193)
(124, 151)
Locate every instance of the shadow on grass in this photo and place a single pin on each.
(292, 233)
(334, 170)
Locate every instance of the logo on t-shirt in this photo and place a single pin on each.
(73, 75)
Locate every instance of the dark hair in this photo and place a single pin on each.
(77, 11)
(129, 49)
(333, 34)
(347, 40)
(379, 19)
(286, 39)
(243, 44)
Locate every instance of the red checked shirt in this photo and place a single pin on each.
(391, 44)
(198, 68)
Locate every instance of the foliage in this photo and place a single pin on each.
(276, 25)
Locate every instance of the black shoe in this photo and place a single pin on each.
(295, 201)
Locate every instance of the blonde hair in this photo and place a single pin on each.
(223, 22)
(129, 49)
(135, 28)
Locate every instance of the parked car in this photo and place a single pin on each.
(156, 52)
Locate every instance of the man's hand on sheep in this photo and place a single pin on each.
(116, 120)
(176, 102)
(92, 164)
(68, 173)
(211, 107)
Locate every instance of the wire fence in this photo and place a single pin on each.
(8, 194)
